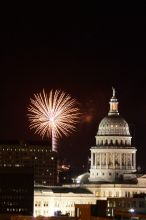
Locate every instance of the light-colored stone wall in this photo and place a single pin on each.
(46, 203)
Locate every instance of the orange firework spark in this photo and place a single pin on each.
(53, 115)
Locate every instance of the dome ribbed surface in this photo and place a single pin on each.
(113, 125)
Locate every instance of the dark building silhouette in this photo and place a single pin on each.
(16, 190)
(87, 211)
(32, 154)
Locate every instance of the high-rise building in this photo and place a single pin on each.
(39, 156)
(16, 190)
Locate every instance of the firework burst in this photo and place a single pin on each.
(53, 115)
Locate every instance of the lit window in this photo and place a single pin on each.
(97, 193)
(114, 106)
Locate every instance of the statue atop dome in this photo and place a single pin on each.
(114, 91)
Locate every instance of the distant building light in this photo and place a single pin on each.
(78, 181)
(131, 210)
(17, 165)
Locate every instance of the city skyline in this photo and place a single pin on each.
(84, 56)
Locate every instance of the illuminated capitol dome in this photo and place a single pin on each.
(113, 158)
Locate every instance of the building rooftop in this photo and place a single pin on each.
(59, 189)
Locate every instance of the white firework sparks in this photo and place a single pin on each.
(53, 115)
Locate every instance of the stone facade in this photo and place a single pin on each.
(46, 201)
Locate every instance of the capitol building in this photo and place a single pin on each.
(113, 156)
(112, 171)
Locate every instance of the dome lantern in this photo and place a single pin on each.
(113, 104)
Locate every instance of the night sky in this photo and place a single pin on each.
(83, 54)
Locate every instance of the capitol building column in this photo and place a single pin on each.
(120, 160)
(134, 161)
(113, 160)
(91, 159)
(126, 161)
(131, 161)
(100, 160)
(107, 160)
